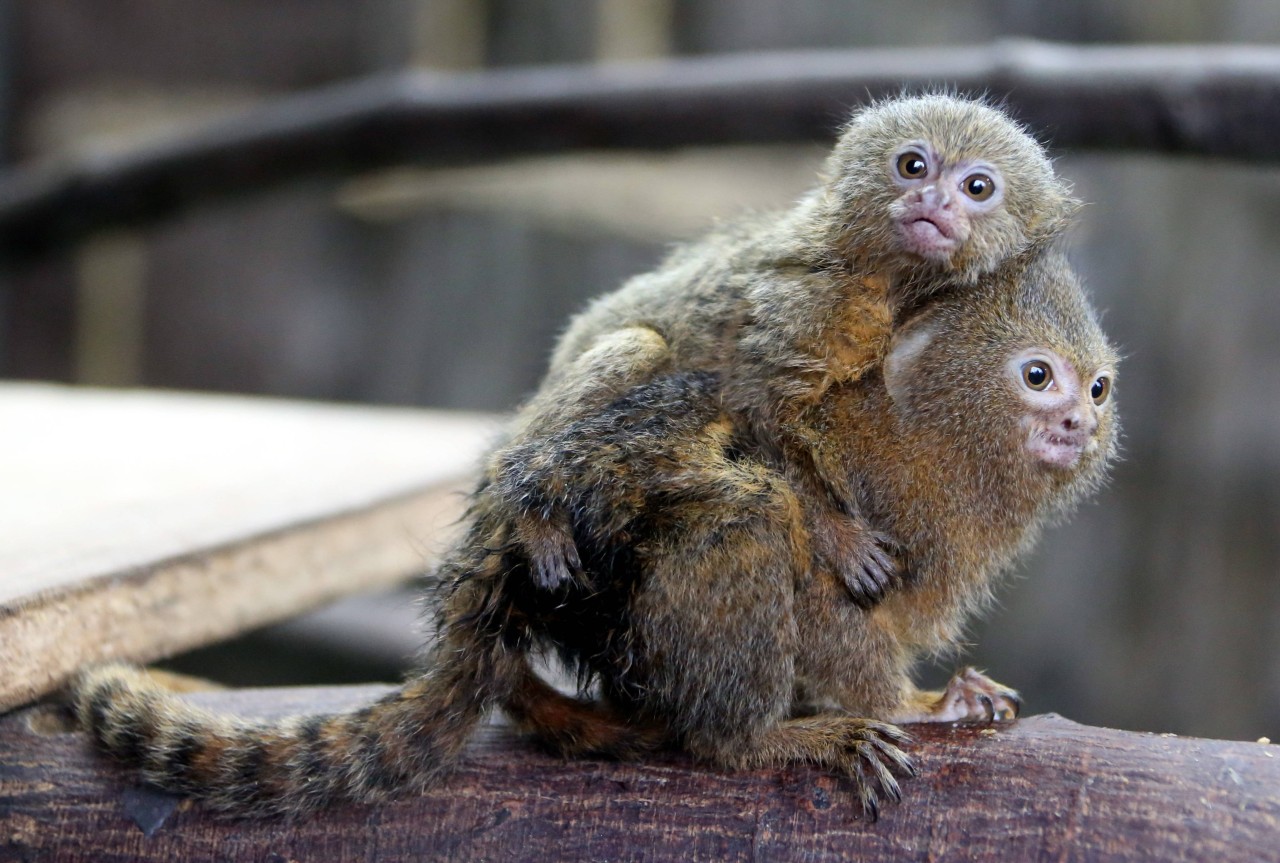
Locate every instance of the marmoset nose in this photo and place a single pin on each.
(1078, 419)
(935, 196)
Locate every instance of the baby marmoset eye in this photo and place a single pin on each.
(979, 186)
(912, 165)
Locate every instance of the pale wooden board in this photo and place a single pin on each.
(138, 523)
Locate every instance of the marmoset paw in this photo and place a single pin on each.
(971, 696)
(553, 556)
(870, 566)
(869, 752)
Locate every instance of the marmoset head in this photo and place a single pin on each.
(942, 186)
(1017, 374)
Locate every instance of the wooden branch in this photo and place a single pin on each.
(1207, 101)
(1042, 789)
(138, 524)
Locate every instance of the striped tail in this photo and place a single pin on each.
(404, 742)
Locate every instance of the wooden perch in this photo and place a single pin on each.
(138, 524)
(1207, 101)
(1043, 789)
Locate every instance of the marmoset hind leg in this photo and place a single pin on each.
(615, 362)
(577, 727)
(715, 643)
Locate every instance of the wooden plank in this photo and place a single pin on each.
(1043, 789)
(138, 524)
(1221, 101)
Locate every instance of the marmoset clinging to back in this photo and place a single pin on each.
(701, 614)
(919, 195)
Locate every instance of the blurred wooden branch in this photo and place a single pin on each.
(1196, 100)
(1043, 789)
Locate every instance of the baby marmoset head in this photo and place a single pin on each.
(939, 187)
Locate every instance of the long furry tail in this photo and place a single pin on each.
(403, 742)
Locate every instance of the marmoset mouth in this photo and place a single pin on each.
(937, 227)
(927, 238)
(1057, 450)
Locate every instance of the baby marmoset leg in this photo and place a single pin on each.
(615, 362)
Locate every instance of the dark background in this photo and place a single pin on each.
(1157, 607)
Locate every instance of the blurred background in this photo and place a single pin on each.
(1156, 608)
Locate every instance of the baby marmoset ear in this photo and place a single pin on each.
(906, 349)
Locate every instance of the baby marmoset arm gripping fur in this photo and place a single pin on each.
(919, 195)
(703, 617)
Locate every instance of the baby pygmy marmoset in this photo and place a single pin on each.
(920, 195)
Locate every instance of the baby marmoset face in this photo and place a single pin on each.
(941, 186)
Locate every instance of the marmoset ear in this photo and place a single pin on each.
(908, 345)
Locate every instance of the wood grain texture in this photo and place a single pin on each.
(1043, 789)
(138, 524)
(1202, 100)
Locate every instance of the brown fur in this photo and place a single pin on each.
(733, 628)
(698, 616)
(785, 306)
(711, 469)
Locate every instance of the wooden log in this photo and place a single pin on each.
(139, 524)
(1199, 100)
(1043, 788)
